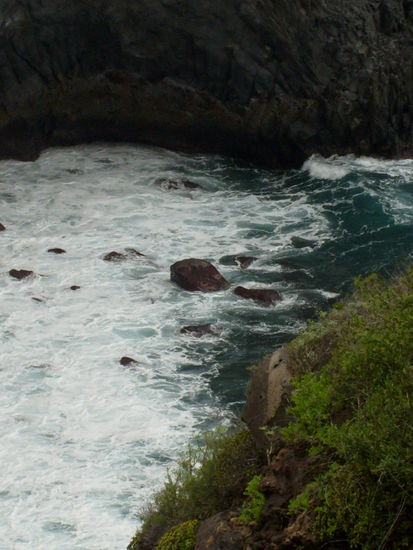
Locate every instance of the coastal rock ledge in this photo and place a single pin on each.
(271, 82)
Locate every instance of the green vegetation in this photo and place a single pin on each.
(254, 508)
(353, 409)
(209, 475)
(180, 537)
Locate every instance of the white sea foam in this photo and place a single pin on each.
(85, 440)
(325, 169)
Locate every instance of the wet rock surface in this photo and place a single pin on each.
(245, 261)
(2, 227)
(271, 82)
(75, 287)
(129, 253)
(20, 273)
(114, 257)
(128, 361)
(264, 296)
(194, 274)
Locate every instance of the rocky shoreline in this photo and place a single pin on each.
(321, 413)
(269, 82)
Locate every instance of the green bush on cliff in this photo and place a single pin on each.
(355, 412)
(253, 509)
(209, 475)
(180, 537)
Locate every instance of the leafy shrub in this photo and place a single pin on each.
(254, 508)
(180, 537)
(356, 412)
(209, 475)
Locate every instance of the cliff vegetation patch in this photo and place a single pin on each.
(352, 407)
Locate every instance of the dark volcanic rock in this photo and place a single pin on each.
(126, 361)
(193, 274)
(198, 330)
(268, 81)
(171, 184)
(74, 287)
(245, 261)
(20, 273)
(57, 250)
(2, 228)
(115, 257)
(217, 533)
(265, 296)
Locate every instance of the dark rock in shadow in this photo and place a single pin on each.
(74, 287)
(57, 251)
(264, 296)
(2, 228)
(127, 361)
(271, 82)
(199, 330)
(300, 242)
(193, 274)
(20, 273)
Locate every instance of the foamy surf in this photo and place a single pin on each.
(85, 440)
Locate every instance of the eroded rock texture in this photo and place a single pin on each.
(270, 81)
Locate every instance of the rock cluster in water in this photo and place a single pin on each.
(271, 82)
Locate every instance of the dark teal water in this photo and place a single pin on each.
(365, 211)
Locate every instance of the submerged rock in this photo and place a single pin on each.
(121, 257)
(20, 273)
(171, 184)
(198, 330)
(193, 274)
(300, 242)
(114, 257)
(134, 252)
(57, 250)
(245, 261)
(265, 296)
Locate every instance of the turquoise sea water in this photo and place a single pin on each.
(86, 440)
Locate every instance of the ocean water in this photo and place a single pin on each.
(85, 440)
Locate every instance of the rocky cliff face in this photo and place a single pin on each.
(267, 80)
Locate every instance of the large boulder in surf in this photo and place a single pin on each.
(194, 274)
(272, 82)
(264, 296)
